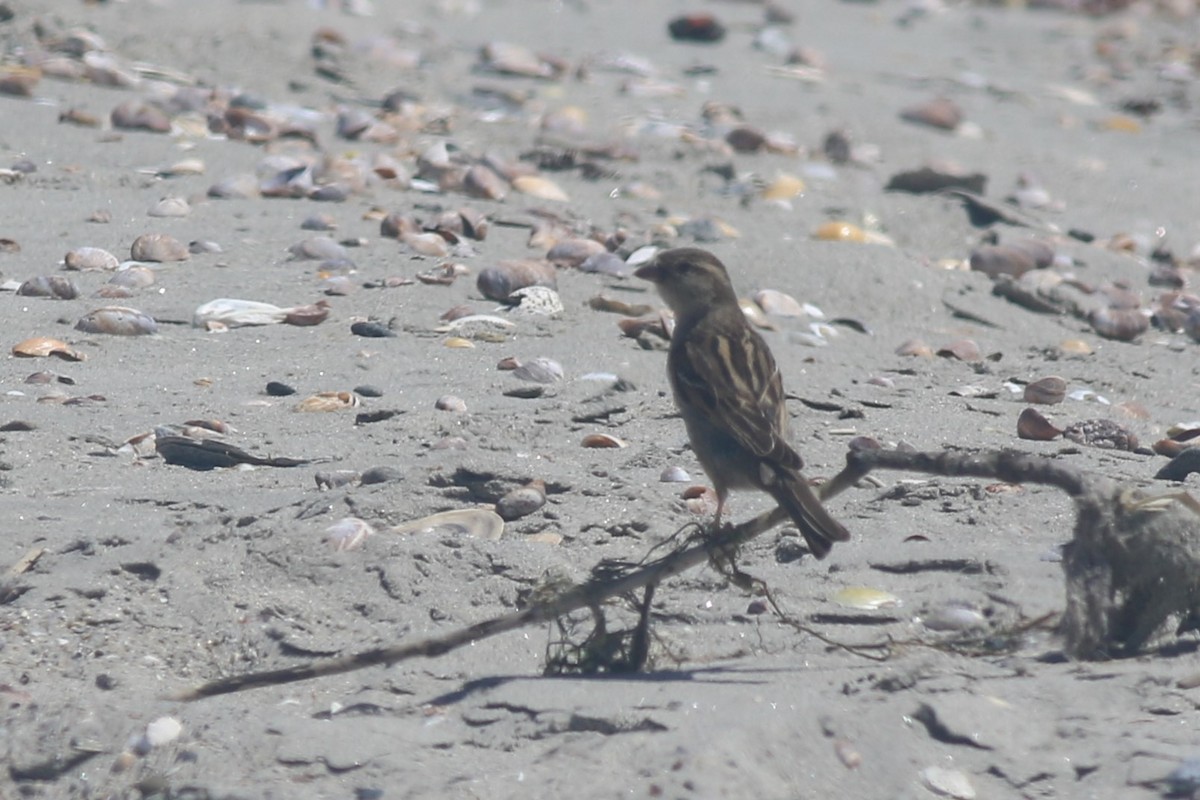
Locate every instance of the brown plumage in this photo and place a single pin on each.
(730, 394)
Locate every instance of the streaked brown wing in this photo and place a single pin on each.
(731, 376)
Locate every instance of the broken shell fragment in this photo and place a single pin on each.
(1103, 433)
(90, 258)
(328, 401)
(311, 314)
(479, 523)
(865, 598)
(522, 501)
(602, 440)
(233, 313)
(170, 207)
(42, 346)
(1034, 426)
(941, 112)
(838, 231)
(117, 321)
(1046, 391)
(674, 475)
(158, 247)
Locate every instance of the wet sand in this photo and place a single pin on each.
(151, 578)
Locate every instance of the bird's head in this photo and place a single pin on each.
(690, 280)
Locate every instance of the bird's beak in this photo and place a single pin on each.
(649, 272)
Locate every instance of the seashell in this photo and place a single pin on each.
(784, 187)
(449, 402)
(318, 248)
(397, 224)
(606, 263)
(993, 260)
(698, 27)
(134, 115)
(162, 731)
(117, 321)
(602, 440)
(477, 322)
(778, 304)
(1102, 433)
(348, 533)
(914, 347)
(953, 618)
(433, 245)
(961, 349)
(19, 81)
(293, 181)
(337, 285)
(700, 500)
(170, 207)
(573, 252)
(304, 316)
(479, 523)
(327, 401)
(56, 286)
(746, 139)
(329, 193)
(539, 370)
(928, 180)
(372, 330)
(204, 247)
(522, 502)
(186, 166)
(754, 314)
(835, 231)
(500, 281)
(1034, 426)
(336, 479)
(241, 187)
(947, 782)
(865, 598)
(674, 475)
(541, 188)
(482, 182)
(536, 301)
(458, 343)
(1046, 391)
(42, 346)
(505, 58)
(1122, 325)
(158, 247)
(390, 169)
(1075, 347)
(233, 313)
(942, 113)
(319, 222)
(90, 258)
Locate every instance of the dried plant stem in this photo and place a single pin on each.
(586, 595)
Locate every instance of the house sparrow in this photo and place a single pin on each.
(730, 394)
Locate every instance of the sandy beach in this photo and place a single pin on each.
(358, 167)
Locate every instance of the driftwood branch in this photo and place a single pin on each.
(1133, 563)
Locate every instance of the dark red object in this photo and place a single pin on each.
(696, 28)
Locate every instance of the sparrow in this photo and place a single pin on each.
(730, 394)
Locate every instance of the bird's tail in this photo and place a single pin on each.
(804, 507)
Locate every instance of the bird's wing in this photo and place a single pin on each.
(730, 375)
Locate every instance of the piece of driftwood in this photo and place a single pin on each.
(1133, 563)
